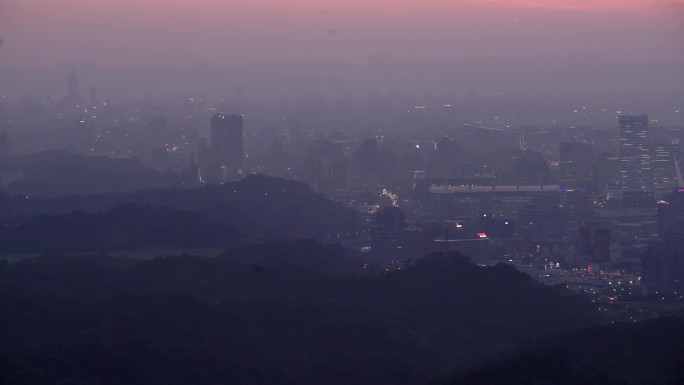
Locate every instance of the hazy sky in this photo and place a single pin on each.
(143, 32)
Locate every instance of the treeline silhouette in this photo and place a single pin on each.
(126, 227)
(624, 354)
(266, 313)
(258, 206)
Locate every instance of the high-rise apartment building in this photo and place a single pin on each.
(326, 166)
(666, 173)
(636, 166)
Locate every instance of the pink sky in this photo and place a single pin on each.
(342, 5)
(239, 31)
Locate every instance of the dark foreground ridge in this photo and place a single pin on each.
(283, 313)
(648, 353)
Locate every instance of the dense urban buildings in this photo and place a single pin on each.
(596, 197)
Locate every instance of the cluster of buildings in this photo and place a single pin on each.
(642, 203)
(590, 198)
(602, 213)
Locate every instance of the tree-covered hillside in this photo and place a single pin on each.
(295, 312)
(624, 354)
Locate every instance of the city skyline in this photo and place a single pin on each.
(404, 192)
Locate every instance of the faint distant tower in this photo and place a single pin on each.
(636, 168)
(72, 98)
(5, 145)
(595, 242)
(367, 157)
(326, 167)
(227, 145)
(93, 96)
(73, 85)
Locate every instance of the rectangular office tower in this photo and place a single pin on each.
(666, 172)
(636, 168)
(226, 145)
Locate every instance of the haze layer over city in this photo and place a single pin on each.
(336, 192)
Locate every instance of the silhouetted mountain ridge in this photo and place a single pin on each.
(295, 312)
(125, 227)
(622, 354)
(258, 205)
(57, 173)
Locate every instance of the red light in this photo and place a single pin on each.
(459, 225)
(482, 235)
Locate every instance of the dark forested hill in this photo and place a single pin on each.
(282, 313)
(125, 227)
(257, 206)
(623, 354)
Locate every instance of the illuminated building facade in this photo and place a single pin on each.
(636, 168)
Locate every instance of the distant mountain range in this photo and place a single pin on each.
(258, 206)
(57, 172)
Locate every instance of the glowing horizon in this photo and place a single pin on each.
(347, 6)
(157, 31)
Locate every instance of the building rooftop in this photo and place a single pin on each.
(443, 189)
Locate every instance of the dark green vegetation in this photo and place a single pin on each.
(624, 354)
(126, 227)
(58, 172)
(258, 206)
(282, 313)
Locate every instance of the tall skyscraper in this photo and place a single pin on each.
(73, 98)
(227, 145)
(73, 85)
(367, 157)
(636, 168)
